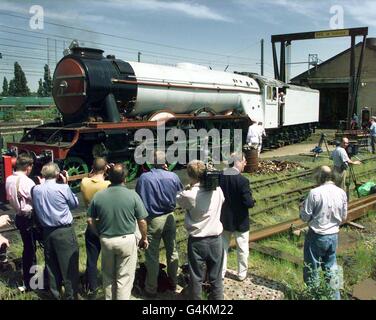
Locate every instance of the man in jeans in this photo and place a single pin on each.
(325, 209)
(158, 189)
(89, 187)
(53, 201)
(18, 188)
(202, 221)
(114, 213)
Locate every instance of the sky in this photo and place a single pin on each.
(222, 34)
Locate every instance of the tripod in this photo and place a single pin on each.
(318, 149)
(352, 177)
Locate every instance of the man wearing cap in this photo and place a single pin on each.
(373, 133)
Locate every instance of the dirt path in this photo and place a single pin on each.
(292, 150)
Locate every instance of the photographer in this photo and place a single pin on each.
(202, 221)
(158, 189)
(341, 162)
(18, 188)
(89, 187)
(53, 202)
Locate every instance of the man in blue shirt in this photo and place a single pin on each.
(373, 133)
(52, 203)
(158, 189)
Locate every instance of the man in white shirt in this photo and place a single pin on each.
(373, 133)
(253, 136)
(262, 134)
(325, 209)
(202, 221)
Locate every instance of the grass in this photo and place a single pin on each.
(358, 262)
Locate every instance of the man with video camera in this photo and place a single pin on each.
(203, 201)
(53, 201)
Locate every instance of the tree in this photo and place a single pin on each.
(5, 87)
(11, 88)
(40, 91)
(47, 84)
(20, 82)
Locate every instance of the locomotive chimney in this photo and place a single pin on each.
(88, 53)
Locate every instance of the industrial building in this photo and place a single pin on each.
(332, 79)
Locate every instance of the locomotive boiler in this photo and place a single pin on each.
(103, 101)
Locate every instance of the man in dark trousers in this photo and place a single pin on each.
(53, 203)
(235, 215)
(18, 188)
(89, 187)
(158, 189)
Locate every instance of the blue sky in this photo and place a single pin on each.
(216, 33)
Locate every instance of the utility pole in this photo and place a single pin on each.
(48, 53)
(139, 56)
(262, 57)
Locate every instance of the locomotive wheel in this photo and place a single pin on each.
(75, 166)
(132, 170)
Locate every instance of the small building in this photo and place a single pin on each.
(332, 78)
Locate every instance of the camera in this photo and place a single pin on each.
(353, 149)
(211, 179)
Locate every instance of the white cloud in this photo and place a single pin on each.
(191, 9)
(363, 12)
(66, 15)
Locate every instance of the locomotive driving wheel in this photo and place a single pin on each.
(75, 166)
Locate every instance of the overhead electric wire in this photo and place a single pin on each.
(125, 38)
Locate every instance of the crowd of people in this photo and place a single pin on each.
(121, 221)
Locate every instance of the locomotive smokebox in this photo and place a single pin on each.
(83, 86)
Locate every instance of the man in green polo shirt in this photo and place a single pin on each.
(114, 212)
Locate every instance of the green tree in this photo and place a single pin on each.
(5, 87)
(20, 82)
(11, 88)
(47, 84)
(40, 91)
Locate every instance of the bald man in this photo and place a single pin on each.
(114, 213)
(325, 209)
(341, 163)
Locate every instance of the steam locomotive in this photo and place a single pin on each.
(104, 100)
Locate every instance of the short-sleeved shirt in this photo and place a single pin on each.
(115, 211)
(158, 189)
(325, 209)
(90, 186)
(253, 135)
(373, 129)
(340, 158)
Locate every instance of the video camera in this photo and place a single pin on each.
(353, 149)
(211, 179)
